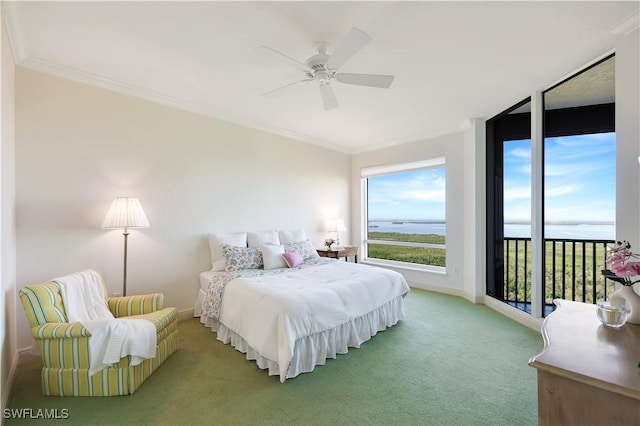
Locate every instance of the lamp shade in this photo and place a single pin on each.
(125, 212)
(337, 225)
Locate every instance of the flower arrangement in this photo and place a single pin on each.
(329, 242)
(622, 264)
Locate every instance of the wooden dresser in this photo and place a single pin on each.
(587, 373)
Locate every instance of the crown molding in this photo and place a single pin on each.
(12, 16)
(12, 13)
(68, 73)
(414, 138)
(52, 68)
(626, 25)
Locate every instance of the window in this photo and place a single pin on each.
(404, 213)
(570, 198)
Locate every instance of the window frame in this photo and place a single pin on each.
(438, 162)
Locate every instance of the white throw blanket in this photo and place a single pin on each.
(111, 338)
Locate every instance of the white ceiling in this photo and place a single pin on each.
(452, 60)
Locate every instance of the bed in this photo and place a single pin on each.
(290, 319)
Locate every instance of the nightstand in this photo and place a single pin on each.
(337, 253)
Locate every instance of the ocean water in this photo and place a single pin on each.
(577, 231)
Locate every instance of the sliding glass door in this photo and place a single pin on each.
(576, 206)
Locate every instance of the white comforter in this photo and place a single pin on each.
(271, 312)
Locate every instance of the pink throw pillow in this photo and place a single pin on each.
(292, 259)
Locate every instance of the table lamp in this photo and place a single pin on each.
(337, 226)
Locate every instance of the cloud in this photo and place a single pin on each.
(437, 195)
(521, 153)
(525, 169)
(576, 168)
(416, 187)
(415, 194)
(517, 193)
(560, 190)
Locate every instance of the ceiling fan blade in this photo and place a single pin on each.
(279, 90)
(372, 80)
(350, 45)
(284, 58)
(328, 97)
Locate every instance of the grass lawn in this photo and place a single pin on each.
(419, 255)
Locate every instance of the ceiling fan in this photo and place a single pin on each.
(323, 68)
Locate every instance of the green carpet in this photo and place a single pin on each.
(448, 363)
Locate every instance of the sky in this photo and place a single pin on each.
(579, 184)
(579, 179)
(416, 195)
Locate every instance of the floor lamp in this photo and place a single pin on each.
(125, 212)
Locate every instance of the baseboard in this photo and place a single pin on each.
(8, 385)
(27, 354)
(513, 313)
(473, 298)
(436, 288)
(510, 312)
(185, 314)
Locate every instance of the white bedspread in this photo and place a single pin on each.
(271, 312)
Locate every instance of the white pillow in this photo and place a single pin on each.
(289, 237)
(255, 239)
(236, 239)
(272, 256)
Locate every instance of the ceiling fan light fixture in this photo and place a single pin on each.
(323, 77)
(323, 68)
(321, 47)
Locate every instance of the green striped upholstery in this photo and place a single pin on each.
(64, 346)
(135, 305)
(43, 304)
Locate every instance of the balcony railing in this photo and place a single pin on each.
(572, 271)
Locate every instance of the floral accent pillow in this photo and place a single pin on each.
(305, 248)
(238, 258)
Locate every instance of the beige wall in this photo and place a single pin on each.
(78, 147)
(8, 355)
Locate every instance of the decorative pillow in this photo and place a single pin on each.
(292, 259)
(255, 239)
(236, 239)
(289, 237)
(272, 256)
(238, 258)
(304, 248)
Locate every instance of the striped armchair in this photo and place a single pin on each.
(64, 346)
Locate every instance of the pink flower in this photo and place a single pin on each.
(621, 270)
(615, 258)
(635, 267)
(619, 259)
